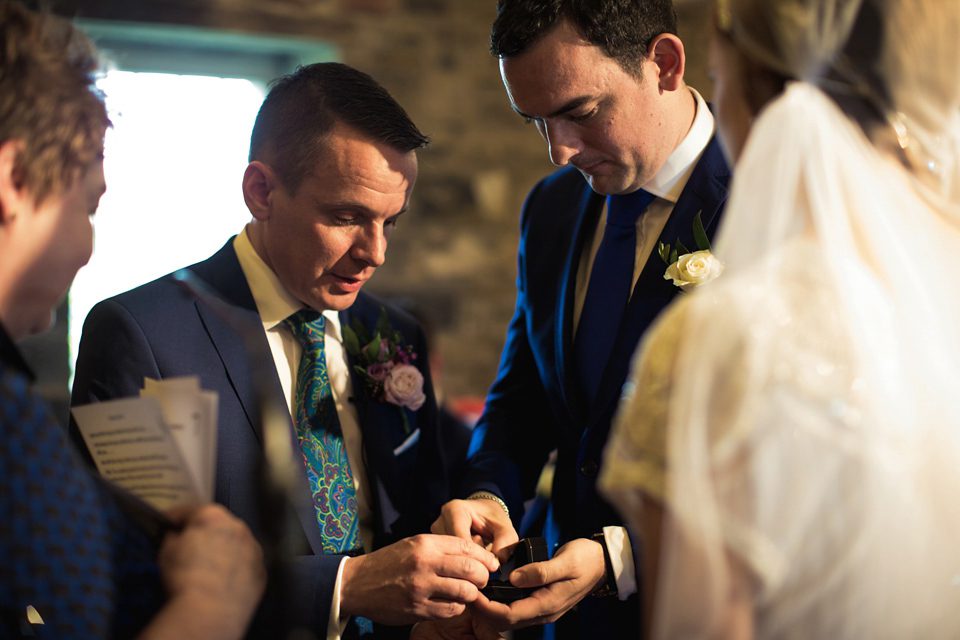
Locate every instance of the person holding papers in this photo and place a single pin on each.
(332, 165)
(73, 562)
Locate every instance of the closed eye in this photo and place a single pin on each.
(584, 116)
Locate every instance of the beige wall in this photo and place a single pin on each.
(454, 253)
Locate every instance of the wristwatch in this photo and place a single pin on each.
(609, 587)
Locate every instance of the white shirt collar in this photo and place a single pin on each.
(673, 175)
(274, 302)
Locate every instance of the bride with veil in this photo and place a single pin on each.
(788, 447)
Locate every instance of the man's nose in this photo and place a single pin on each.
(371, 246)
(562, 144)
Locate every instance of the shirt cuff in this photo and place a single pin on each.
(621, 559)
(335, 627)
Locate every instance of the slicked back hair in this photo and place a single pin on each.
(302, 108)
(622, 29)
(48, 101)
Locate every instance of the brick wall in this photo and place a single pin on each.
(453, 255)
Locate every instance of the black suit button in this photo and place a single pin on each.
(588, 468)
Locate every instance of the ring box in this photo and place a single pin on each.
(526, 551)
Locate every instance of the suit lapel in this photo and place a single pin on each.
(239, 340)
(380, 425)
(237, 334)
(591, 206)
(705, 192)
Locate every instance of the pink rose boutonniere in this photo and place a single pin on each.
(384, 363)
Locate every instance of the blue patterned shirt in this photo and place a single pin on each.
(67, 548)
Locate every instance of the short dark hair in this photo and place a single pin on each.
(302, 108)
(48, 100)
(623, 29)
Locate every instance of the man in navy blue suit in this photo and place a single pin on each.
(602, 80)
(332, 165)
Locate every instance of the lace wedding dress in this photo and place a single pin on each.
(801, 413)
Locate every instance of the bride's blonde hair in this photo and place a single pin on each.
(891, 64)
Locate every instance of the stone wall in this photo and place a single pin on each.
(453, 256)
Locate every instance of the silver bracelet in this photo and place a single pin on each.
(486, 495)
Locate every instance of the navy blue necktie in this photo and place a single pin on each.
(611, 283)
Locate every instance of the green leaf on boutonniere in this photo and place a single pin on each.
(351, 341)
(362, 371)
(363, 336)
(669, 256)
(664, 251)
(703, 243)
(383, 324)
(372, 351)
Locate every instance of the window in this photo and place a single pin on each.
(182, 103)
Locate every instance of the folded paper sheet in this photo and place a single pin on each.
(161, 447)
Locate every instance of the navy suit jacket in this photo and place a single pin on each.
(159, 330)
(536, 404)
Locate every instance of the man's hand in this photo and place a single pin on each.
(463, 627)
(426, 577)
(483, 521)
(575, 572)
(214, 574)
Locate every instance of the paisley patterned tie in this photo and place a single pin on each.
(321, 440)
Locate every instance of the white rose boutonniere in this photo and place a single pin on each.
(691, 269)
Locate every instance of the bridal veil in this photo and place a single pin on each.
(801, 413)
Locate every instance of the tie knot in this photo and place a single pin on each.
(623, 210)
(306, 325)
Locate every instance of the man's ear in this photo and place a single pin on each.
(12, 191)
(666, 51)
(259, 187)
